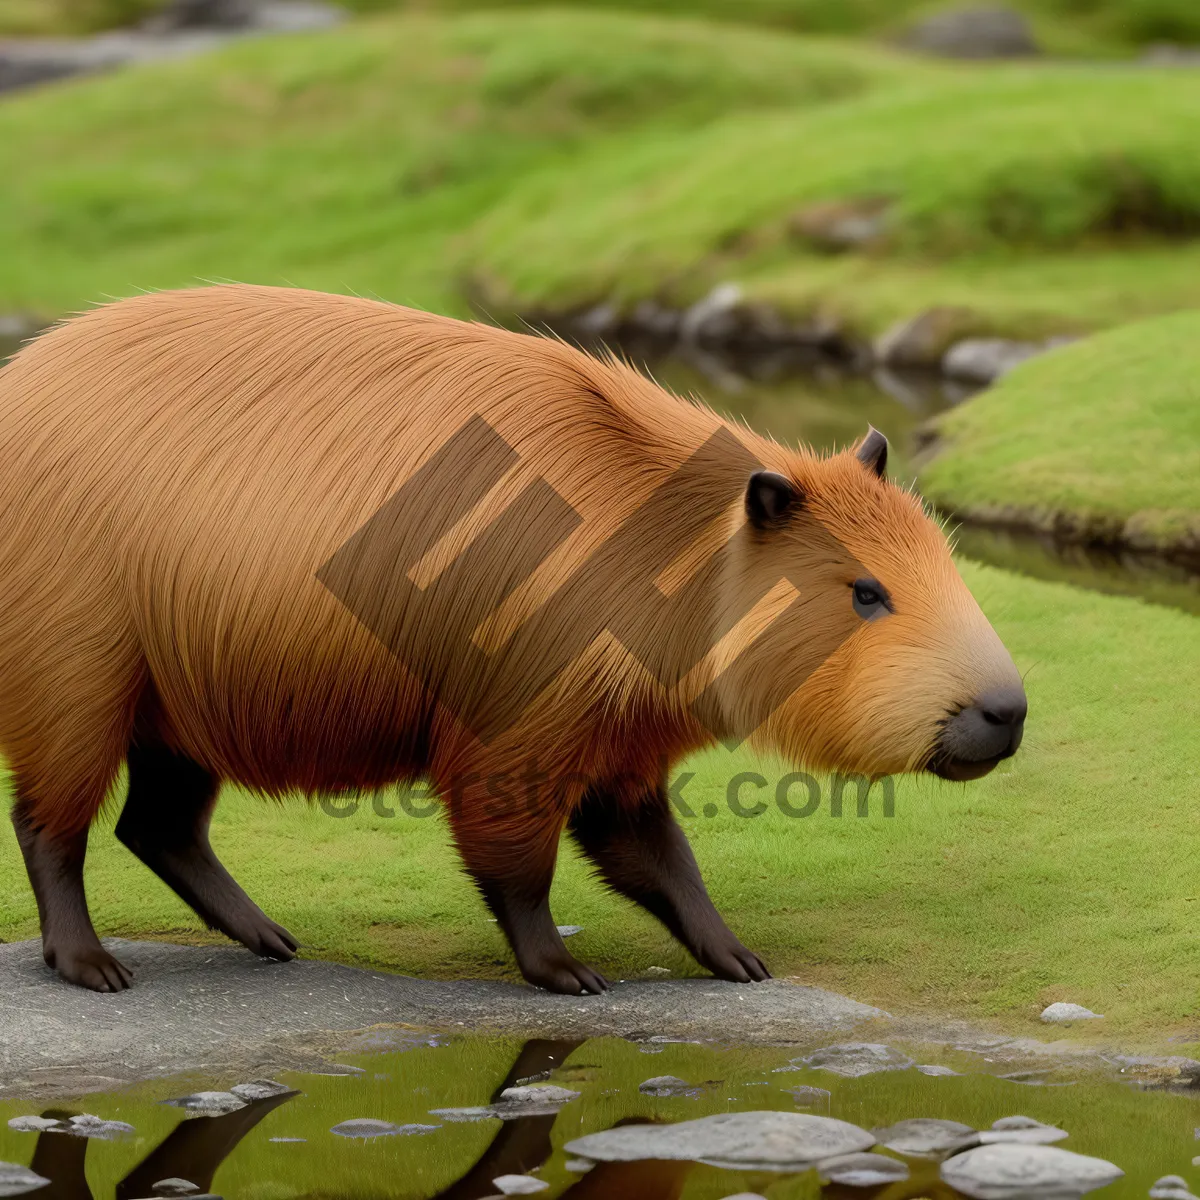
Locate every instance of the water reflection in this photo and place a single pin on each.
(1148, 1134)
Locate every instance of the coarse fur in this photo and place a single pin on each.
(181, 467)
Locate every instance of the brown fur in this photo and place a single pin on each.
(178, 467)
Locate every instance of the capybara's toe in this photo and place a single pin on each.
(273, 941)
(568, 977)
(737, 964)
(91, 967)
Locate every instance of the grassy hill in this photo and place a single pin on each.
(1061, 26)
(356, 159)
(1102, 436)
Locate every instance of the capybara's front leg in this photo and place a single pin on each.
(55, 866)
(513, 866)
(165, 823)
(643, 854)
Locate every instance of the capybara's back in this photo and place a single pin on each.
(309, 542)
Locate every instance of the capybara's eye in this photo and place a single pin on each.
(870, 599)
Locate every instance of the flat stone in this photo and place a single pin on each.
(537, 1093)
(923, 340)
(1010, 1170)
(174, 1187)
(334, 1070)
(519, 1185)
(853, 1059)
(16, 1180)
(806, 1096)
(982, 31)
(208, 1104)
(34, 1124)
(1171, 1187)
(259, 1089)
(578, 1166)
(984, 360)
(287, 1140)
(367, 1127)
(567, 931)
(862, 1170)
(86, 1125)
(221, 1006)
(1061, 1013)
(667, 1085)
(923, 1137)
(1021, 1129)
(773, 1141)
(934, 1069)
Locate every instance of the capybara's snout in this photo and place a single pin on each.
(981, 734)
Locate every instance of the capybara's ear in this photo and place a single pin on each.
(770, 497)
(872, 453)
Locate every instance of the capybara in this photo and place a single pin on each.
(314, 543)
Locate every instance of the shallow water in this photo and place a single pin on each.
(1148, 1134)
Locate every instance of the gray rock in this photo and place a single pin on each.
(853, 1059)
(514, 1103)
(539, 1094)
(984, 360)
(15, 327)
(567, 931)
(776, 1141)
(208, 1104)
(934, 1069)
(578, 1166)
(519, 1185)
(842, 224)
(711, 317)
(16, 1180)
(259, 1089)
(667, 1085)
(86, 1125)
(986, 31)
(1171, 1187)
(174, 1187)
(1166, 54)
(35, 1124)
(655, 319)
(1196, 1161)
(807, 1096)
(287, 1140)
(220, 1006)
(598, 320)
(922, 341)
(923, 1137)
(1010, 1170)
(861, 1170)
(367, 1128)
(1021, 1129)
(243, 16)
(335, 1070)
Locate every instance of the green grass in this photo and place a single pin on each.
(356, 159)
(1102, 435)
(1062, 877)
(1028, 171)
(1061, 26)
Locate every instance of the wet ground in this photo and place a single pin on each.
(287, 1145)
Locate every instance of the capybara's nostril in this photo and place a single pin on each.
(983, 733)
(1005, 706)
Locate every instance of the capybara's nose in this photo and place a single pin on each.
(982, 734)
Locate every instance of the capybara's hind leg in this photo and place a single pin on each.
(643, 854)
(55, 866)
(165, 823)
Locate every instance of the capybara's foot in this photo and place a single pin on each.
(90, 967)
(565, 975)
(260, 935)
(734, 962)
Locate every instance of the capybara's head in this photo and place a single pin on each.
(873, 658)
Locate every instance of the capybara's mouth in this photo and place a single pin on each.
(963, 771)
